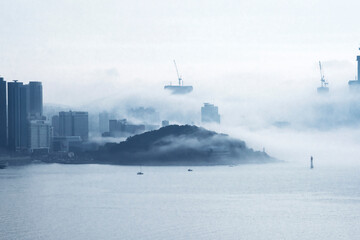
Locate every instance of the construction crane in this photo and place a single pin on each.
(178, 89)
(323, 82)
(179, 77)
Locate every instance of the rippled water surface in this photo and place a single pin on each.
(271, 201)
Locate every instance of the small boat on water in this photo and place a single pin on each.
(190, 170)
(140, 172)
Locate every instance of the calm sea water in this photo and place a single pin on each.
(271, 201)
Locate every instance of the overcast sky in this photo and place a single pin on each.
(83, 50)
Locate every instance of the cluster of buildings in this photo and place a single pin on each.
(109, 126)
(24, 128)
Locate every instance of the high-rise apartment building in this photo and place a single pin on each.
(18, 110)
(36, 100)
(3, 118)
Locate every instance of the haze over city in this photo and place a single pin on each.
(96, 108)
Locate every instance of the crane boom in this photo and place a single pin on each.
(323, 82)
(179, 78)
(321, 74)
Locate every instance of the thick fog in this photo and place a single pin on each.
(256, 60)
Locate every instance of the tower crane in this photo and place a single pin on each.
(179, 77)
(323, 82)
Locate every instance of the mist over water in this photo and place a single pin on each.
(256, 60)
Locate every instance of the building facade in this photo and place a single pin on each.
(40, 134)
(74, 124)
(35, 100)
(18, 110)
(103, 122)
(210, 113)
(3, 116)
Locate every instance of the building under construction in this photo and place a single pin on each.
(178, 89)
(323, 89)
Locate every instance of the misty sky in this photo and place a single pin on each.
(100, 48)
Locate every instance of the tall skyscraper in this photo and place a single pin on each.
(209, 113)
(17, 115)
(24, 117)
(74, 124)
(36, 100)
(3, 120)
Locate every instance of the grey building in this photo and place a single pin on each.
(18, 109)
(36, 100)
(55, 125)
(3, 117)
(103, 122)
(81, 125)
(65, 143)
(74, 124)
(65, 124)
(121, 128)
(210, 113)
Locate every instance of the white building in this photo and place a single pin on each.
(40, 133)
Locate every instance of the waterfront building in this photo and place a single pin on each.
(74, 124)
(3, 117)
(18, 110)
(40, 133)
(65, 143)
